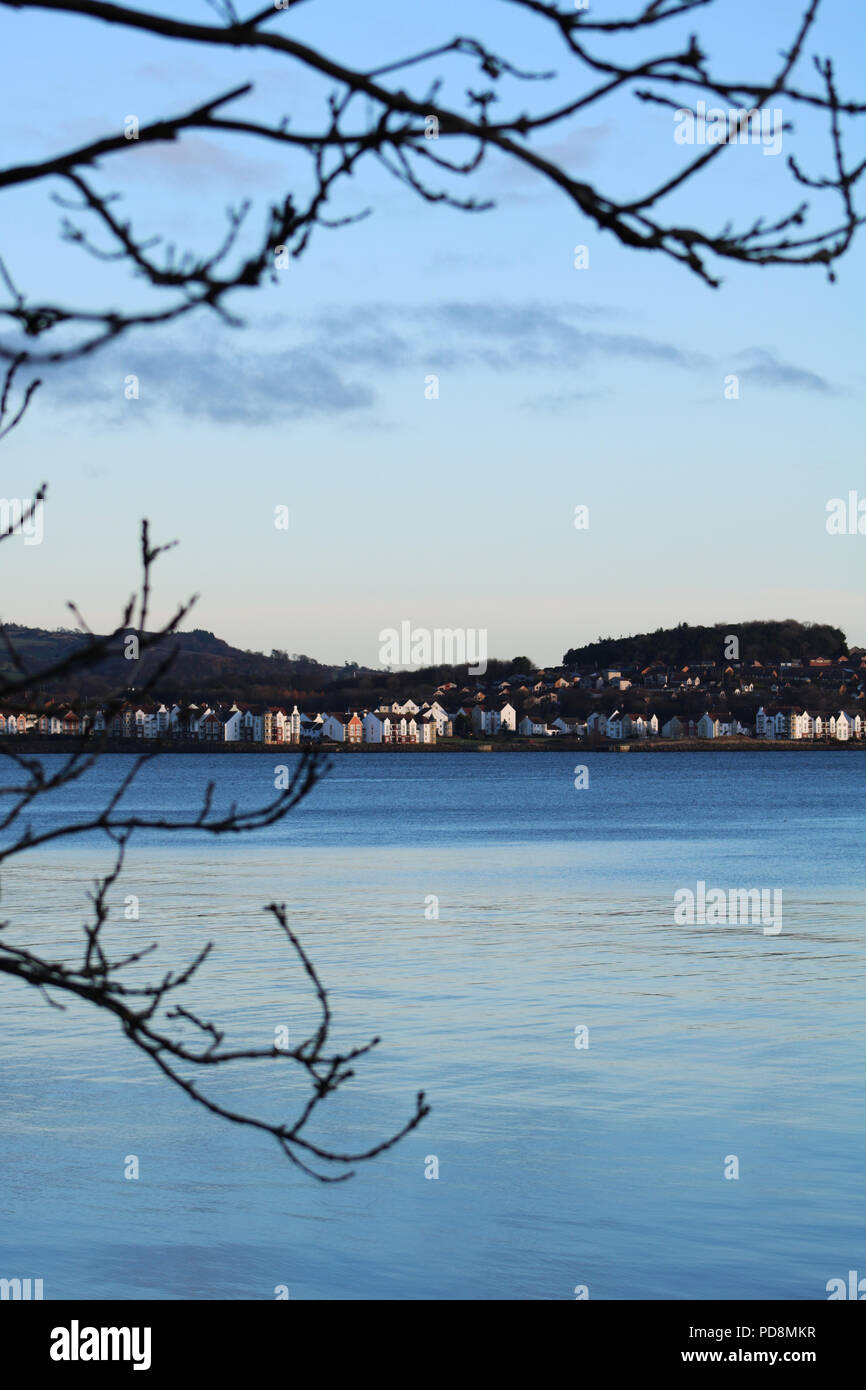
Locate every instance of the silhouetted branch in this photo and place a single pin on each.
(7, 425)
(153, 1014)
(146, 1013)
(407, 133)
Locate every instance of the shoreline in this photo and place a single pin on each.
(40, 743)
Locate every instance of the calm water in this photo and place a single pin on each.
(558, 1166)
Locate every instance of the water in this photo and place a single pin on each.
(558, 1166)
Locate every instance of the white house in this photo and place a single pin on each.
(427, 731)
(765, 724)
(210, 725)
(615, 724)
(292, 726)
(529, 726)
(773, 723)
(334, 727)
(675, 728)
(485, 721)
(801, 724)
(400, 728)
(444, 719)
(508, 717)
(252, 725)
(720, 722)
(232, 726)
(374, 727)
(276, 725)
(848, 726)
(183, 720)
(643, 725)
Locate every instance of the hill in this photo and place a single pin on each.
(766, 641)
(201, 662)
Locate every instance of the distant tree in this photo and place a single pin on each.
(763, 641)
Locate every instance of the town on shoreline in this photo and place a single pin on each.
(702, 705)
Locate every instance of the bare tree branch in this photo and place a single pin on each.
(366, 117)
(153, 1015)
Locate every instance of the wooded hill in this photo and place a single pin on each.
(202, 664)
(684, 645)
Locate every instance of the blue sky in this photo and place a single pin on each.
(557, 386)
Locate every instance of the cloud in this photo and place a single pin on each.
(768, 370)
(576, 151)
(538, 334)
(225, 382)
(556, 401)
(333, 365)
(339, 359)
(195, 162)
(503, 337)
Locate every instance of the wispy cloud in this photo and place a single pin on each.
(337, 363)
(226, 383)
(196, 162)
(768, 370)
(553, 402)
(574, 152)
(500, 336)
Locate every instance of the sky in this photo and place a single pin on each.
(558, 387)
